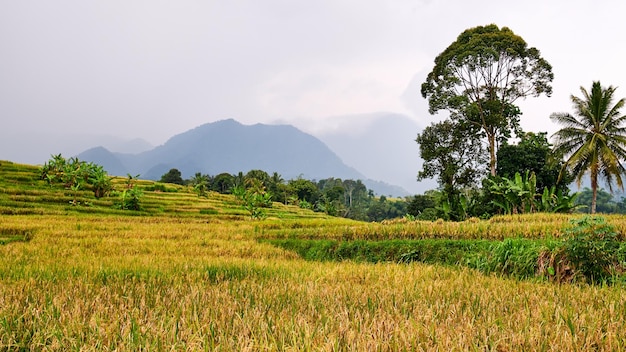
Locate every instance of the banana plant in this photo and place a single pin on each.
(553, 201)
(455, 207)
(566, 203)
(516, 195)
(100, 181)
(200, 184)
(52, 170)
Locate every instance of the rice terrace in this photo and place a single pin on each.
(198, 273)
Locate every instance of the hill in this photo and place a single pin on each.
(229, 146)
(22, 192)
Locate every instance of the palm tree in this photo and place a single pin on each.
(594, 138)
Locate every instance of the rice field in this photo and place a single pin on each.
(92, 278)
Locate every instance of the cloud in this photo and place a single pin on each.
(151, 69)
(323, 91)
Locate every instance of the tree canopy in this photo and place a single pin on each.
(532, 153)
(594, 138)
(173, 176)
(479, 77)
(450, 154)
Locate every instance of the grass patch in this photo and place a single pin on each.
(209, 211)
(8, 235)
(452, 252)
(511, 257)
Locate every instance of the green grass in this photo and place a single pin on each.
(516, 257)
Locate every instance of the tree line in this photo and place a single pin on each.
(333, 196)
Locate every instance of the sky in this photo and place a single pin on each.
(71, 70)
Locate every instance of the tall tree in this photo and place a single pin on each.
(451, 155)
(480, 76)
(261, 177)
(594, 138)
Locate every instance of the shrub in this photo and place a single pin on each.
(75, 175)
(209, 211)
(428, 214)
(159, 187)
(130, 198)
(592, 246)
(253, 200)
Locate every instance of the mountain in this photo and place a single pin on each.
(106, 159)
(229, 146)
(382, 146)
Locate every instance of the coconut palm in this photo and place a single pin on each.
(594, 138)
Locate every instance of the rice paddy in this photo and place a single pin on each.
(197, 274)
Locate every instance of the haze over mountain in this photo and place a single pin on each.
(36, 148)
(380, 145)
(229, 146)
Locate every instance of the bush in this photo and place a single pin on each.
(209, 211)
(253, 200)
(76, 175)
(428, 214)
(592, 246)
(130, 199)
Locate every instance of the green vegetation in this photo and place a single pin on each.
(589, 251)
(595, 138)
(15, 234)
(533, 153)
(479, 77)
(257, 190)
(594, 249)
(173, 176)
(75, 175)
(196, 273)
(254, 198)
(130, 197)
(455, 160)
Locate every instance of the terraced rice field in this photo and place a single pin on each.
(175, 276)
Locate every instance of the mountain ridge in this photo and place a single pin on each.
(229, 146)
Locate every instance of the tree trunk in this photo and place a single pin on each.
(594, 189)
(492, 153)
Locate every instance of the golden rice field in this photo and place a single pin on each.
(92, 279)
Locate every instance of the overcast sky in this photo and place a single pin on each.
(155, 68)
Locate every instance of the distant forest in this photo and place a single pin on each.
(333, 196)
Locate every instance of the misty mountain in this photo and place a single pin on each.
(382, 146)
(229, 146)
(36, 148)
(133, 146)
(102, 156)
